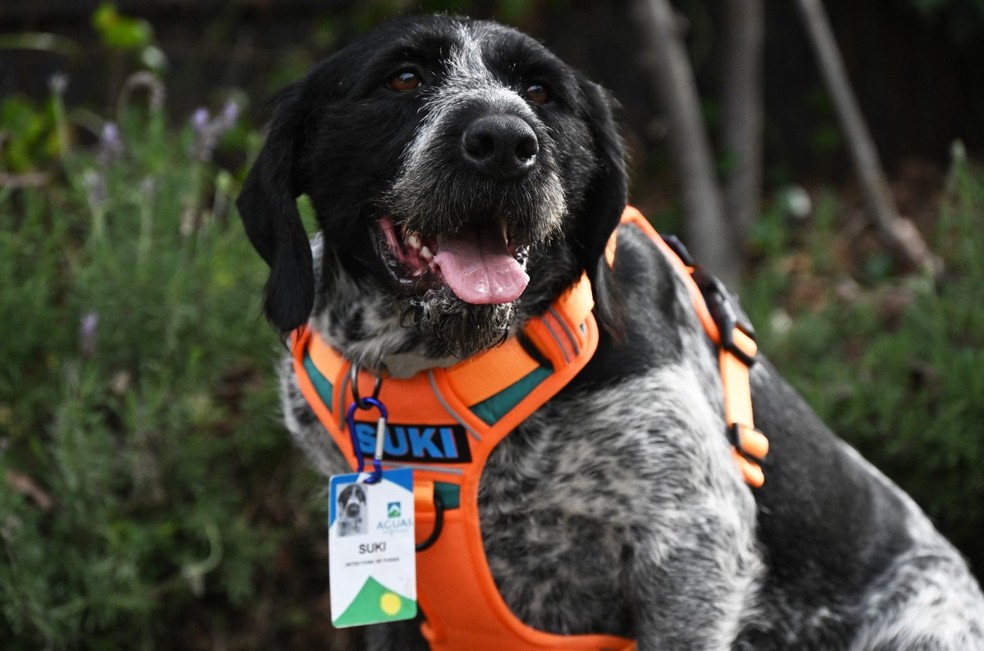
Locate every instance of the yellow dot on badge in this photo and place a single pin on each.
(390, 603)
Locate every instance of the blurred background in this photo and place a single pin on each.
(823, 158)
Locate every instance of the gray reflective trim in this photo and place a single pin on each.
(570, 335)
(420, 466)
(447, 407)
(556, 339)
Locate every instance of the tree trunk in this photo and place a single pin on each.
(900, 235)
(708, 234)
(741, 135)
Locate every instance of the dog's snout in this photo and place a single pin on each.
(500, 145)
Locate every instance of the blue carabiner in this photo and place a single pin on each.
(377, 469)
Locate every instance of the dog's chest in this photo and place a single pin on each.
(555, 532)
(567, 499)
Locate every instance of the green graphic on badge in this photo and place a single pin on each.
(375, 603)
(371, 549)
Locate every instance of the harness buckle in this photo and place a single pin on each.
(727, 315)
(735, 330)
(748, 440)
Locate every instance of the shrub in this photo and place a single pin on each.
(142, 467)
(893, 363)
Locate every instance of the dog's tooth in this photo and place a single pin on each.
(426, 254)
(413, 240)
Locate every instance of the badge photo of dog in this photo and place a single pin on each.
(463, 178)
(352, 514)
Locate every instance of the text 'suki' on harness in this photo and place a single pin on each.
(373, 402)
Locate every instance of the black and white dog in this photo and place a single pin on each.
(463, 177)
(351, 515)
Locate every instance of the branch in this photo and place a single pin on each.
(709, 235)
(741, 134)
(900, 235)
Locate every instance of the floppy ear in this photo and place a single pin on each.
(604, 202)
(268, 207)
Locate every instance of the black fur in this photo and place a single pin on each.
(616, 508)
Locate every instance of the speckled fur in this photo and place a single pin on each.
(617, 508)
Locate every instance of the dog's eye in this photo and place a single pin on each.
(404, 80)
(537, 93)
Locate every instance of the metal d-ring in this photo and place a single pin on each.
(354, 384)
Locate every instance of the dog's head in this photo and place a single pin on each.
(462, 177)
(351, 501)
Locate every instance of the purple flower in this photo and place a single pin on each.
(88, 338)
(110, 144)
(230, 113)
(199, 120)
(208, 130)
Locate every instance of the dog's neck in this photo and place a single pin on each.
(366, 329)
(367, 326)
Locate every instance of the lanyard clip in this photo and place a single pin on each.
(366, 404)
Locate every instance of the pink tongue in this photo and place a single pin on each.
(478, 267)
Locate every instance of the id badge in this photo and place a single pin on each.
(371, 550)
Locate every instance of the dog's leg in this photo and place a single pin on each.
(695, 568)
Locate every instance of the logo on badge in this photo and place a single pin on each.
(393, 510)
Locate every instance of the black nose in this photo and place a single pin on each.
(500, 145)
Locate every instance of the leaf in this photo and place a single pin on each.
(121, 32)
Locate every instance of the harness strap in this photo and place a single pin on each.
(445, 423)
(734, 337)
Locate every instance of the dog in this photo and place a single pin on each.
(463, 177)
(352, 511)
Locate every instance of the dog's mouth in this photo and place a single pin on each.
(479, 263)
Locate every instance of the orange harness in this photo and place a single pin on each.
(444, 423)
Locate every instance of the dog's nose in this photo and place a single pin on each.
(500, 145)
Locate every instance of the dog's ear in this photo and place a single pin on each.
(604, 202)
(268, 207)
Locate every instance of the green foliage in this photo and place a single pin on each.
(30, 135)
(893, 364)
(126, 34)
(121, 32)
(137, 428)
